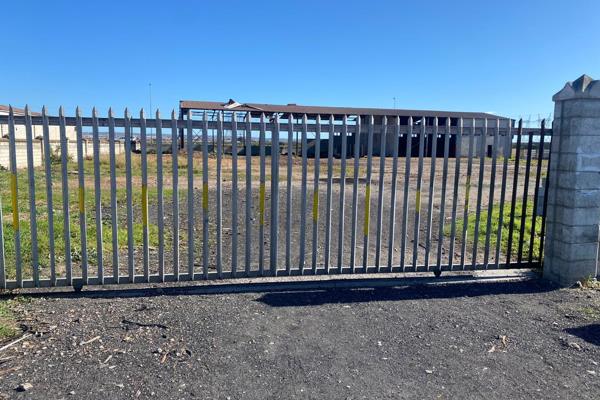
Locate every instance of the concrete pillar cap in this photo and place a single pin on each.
(583, 87)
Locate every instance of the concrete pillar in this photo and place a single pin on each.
(573, 215)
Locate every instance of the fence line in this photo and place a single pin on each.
(83, 249)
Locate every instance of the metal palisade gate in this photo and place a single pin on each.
(246, 194)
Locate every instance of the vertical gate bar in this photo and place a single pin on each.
(219, 194)
(443, 198)
(431, 189)
(248, 212)
(32, 208)
(261, 198)
(525, 194)
(190, 196)
(406, 187)
(15, 197)
(205, 222)
(81, 197)
(288, 196)
(383, 138)
(329, 194)
(97, 196)
(356, 137)
(342, 193)
(513, 202)
(113, 196)
(159, 195)
(458, 154)
(65, 195)
(234, 195)
(491, 195)
(144, 164)
(479, 192)
(274, 196)
(175, 178)
(49, 194)
(368, 193)
(2, 258)
(418, 194)
(543, 227)
(463, 248)
(507, 154)
(128, 186)
(538, 173)
(303, 195)
(315, 205)
(392, 230)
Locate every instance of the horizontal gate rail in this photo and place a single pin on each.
(467, 195)
(197, 124)
(77, 281)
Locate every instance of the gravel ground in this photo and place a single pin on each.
(517, 340)
(296, 250)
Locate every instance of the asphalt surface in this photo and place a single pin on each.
(516, 340)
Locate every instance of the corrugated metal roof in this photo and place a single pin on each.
(16, 111)
(232, 105)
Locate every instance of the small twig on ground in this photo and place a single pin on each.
(89, 341)
(15, 341)
(5, 359)
(143, 325)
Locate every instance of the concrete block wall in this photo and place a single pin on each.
(53, 130)
(21, 153)
(573, 215)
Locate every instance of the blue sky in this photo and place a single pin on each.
(507, 57)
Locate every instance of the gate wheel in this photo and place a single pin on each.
(77, 286)
(437, 273)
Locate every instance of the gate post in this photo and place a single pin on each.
(573, 214)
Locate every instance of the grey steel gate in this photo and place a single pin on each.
(450, 195)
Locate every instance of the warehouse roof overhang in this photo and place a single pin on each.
(233, 105)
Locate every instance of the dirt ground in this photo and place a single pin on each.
(500, 340)
(439, 202)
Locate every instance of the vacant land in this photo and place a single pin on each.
(429, 226)
(479, 340)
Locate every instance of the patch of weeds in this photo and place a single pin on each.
(589, 283)
(8, 323)
(56, 159)
(506, 222)
(44, 239)
(591, 312)
(20, 300)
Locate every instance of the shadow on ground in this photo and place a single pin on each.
(300, 294)
(589, 333)
(362, 295)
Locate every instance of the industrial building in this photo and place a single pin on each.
(418, 116)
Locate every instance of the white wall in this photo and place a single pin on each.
(38, 131)
(38, 150)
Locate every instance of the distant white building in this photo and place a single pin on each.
(21, 142)
(37, 129)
